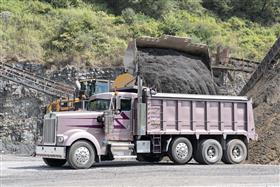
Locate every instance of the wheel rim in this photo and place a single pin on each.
(237, 152)
(82, 155)
(182, 151)
(212, 152)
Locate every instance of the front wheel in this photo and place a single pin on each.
(52, 162)
(81, 155)
(181, 150)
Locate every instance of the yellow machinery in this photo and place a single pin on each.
(85, 88)
(89, 87)
(61, 105)
(123, 80)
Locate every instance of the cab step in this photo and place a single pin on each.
(120, 157)
(122, 150)
(121, 145)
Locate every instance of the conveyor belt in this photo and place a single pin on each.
(36, 82)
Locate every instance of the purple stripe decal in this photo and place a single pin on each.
(119, 126)
(117, 120)
(124, 116)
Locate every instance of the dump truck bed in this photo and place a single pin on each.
(182, 44)
(200, 115)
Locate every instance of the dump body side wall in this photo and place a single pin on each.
(200, 117)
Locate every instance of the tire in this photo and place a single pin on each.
(81, 155)
(210, 152)
(52, 162)
(180, 151)
(235, 153)
(149, 158)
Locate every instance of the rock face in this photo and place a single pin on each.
(21, 108)
(171, 71)
(266, 99)
(21, 115)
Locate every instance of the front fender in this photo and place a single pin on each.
(80, 134)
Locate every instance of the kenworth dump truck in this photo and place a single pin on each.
(139, 123)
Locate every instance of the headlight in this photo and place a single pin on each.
(60, 139)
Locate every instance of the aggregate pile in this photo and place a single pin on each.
(171, 71)
(266, 97)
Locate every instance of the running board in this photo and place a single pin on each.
(122, 150)
(122, 145)
(125, 157)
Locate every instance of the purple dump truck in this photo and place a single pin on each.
(139, 123)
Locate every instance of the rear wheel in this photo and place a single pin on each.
(235, 153)
(180, 151)
(52, 162)
(210, 152)
(81, 155)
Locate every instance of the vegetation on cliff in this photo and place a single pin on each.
(96, 32)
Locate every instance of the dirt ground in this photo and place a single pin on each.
(266, 97)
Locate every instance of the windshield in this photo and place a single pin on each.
(99, 105)
(101, 87)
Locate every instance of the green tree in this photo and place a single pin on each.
(153, 8)
(221, 7)
(189, 5)
(63, 3)
(128, 15)
(263, 11)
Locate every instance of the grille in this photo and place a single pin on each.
(49, 131)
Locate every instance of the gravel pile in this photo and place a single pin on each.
(171, 71)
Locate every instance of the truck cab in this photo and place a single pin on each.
(63, 129)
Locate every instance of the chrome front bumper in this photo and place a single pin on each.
(51, 152)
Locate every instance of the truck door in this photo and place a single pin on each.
(122, 125)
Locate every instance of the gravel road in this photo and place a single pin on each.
(30, 171)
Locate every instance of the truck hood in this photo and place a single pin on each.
(83, 120)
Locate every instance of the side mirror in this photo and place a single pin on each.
(117, 112)
(100, 119)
